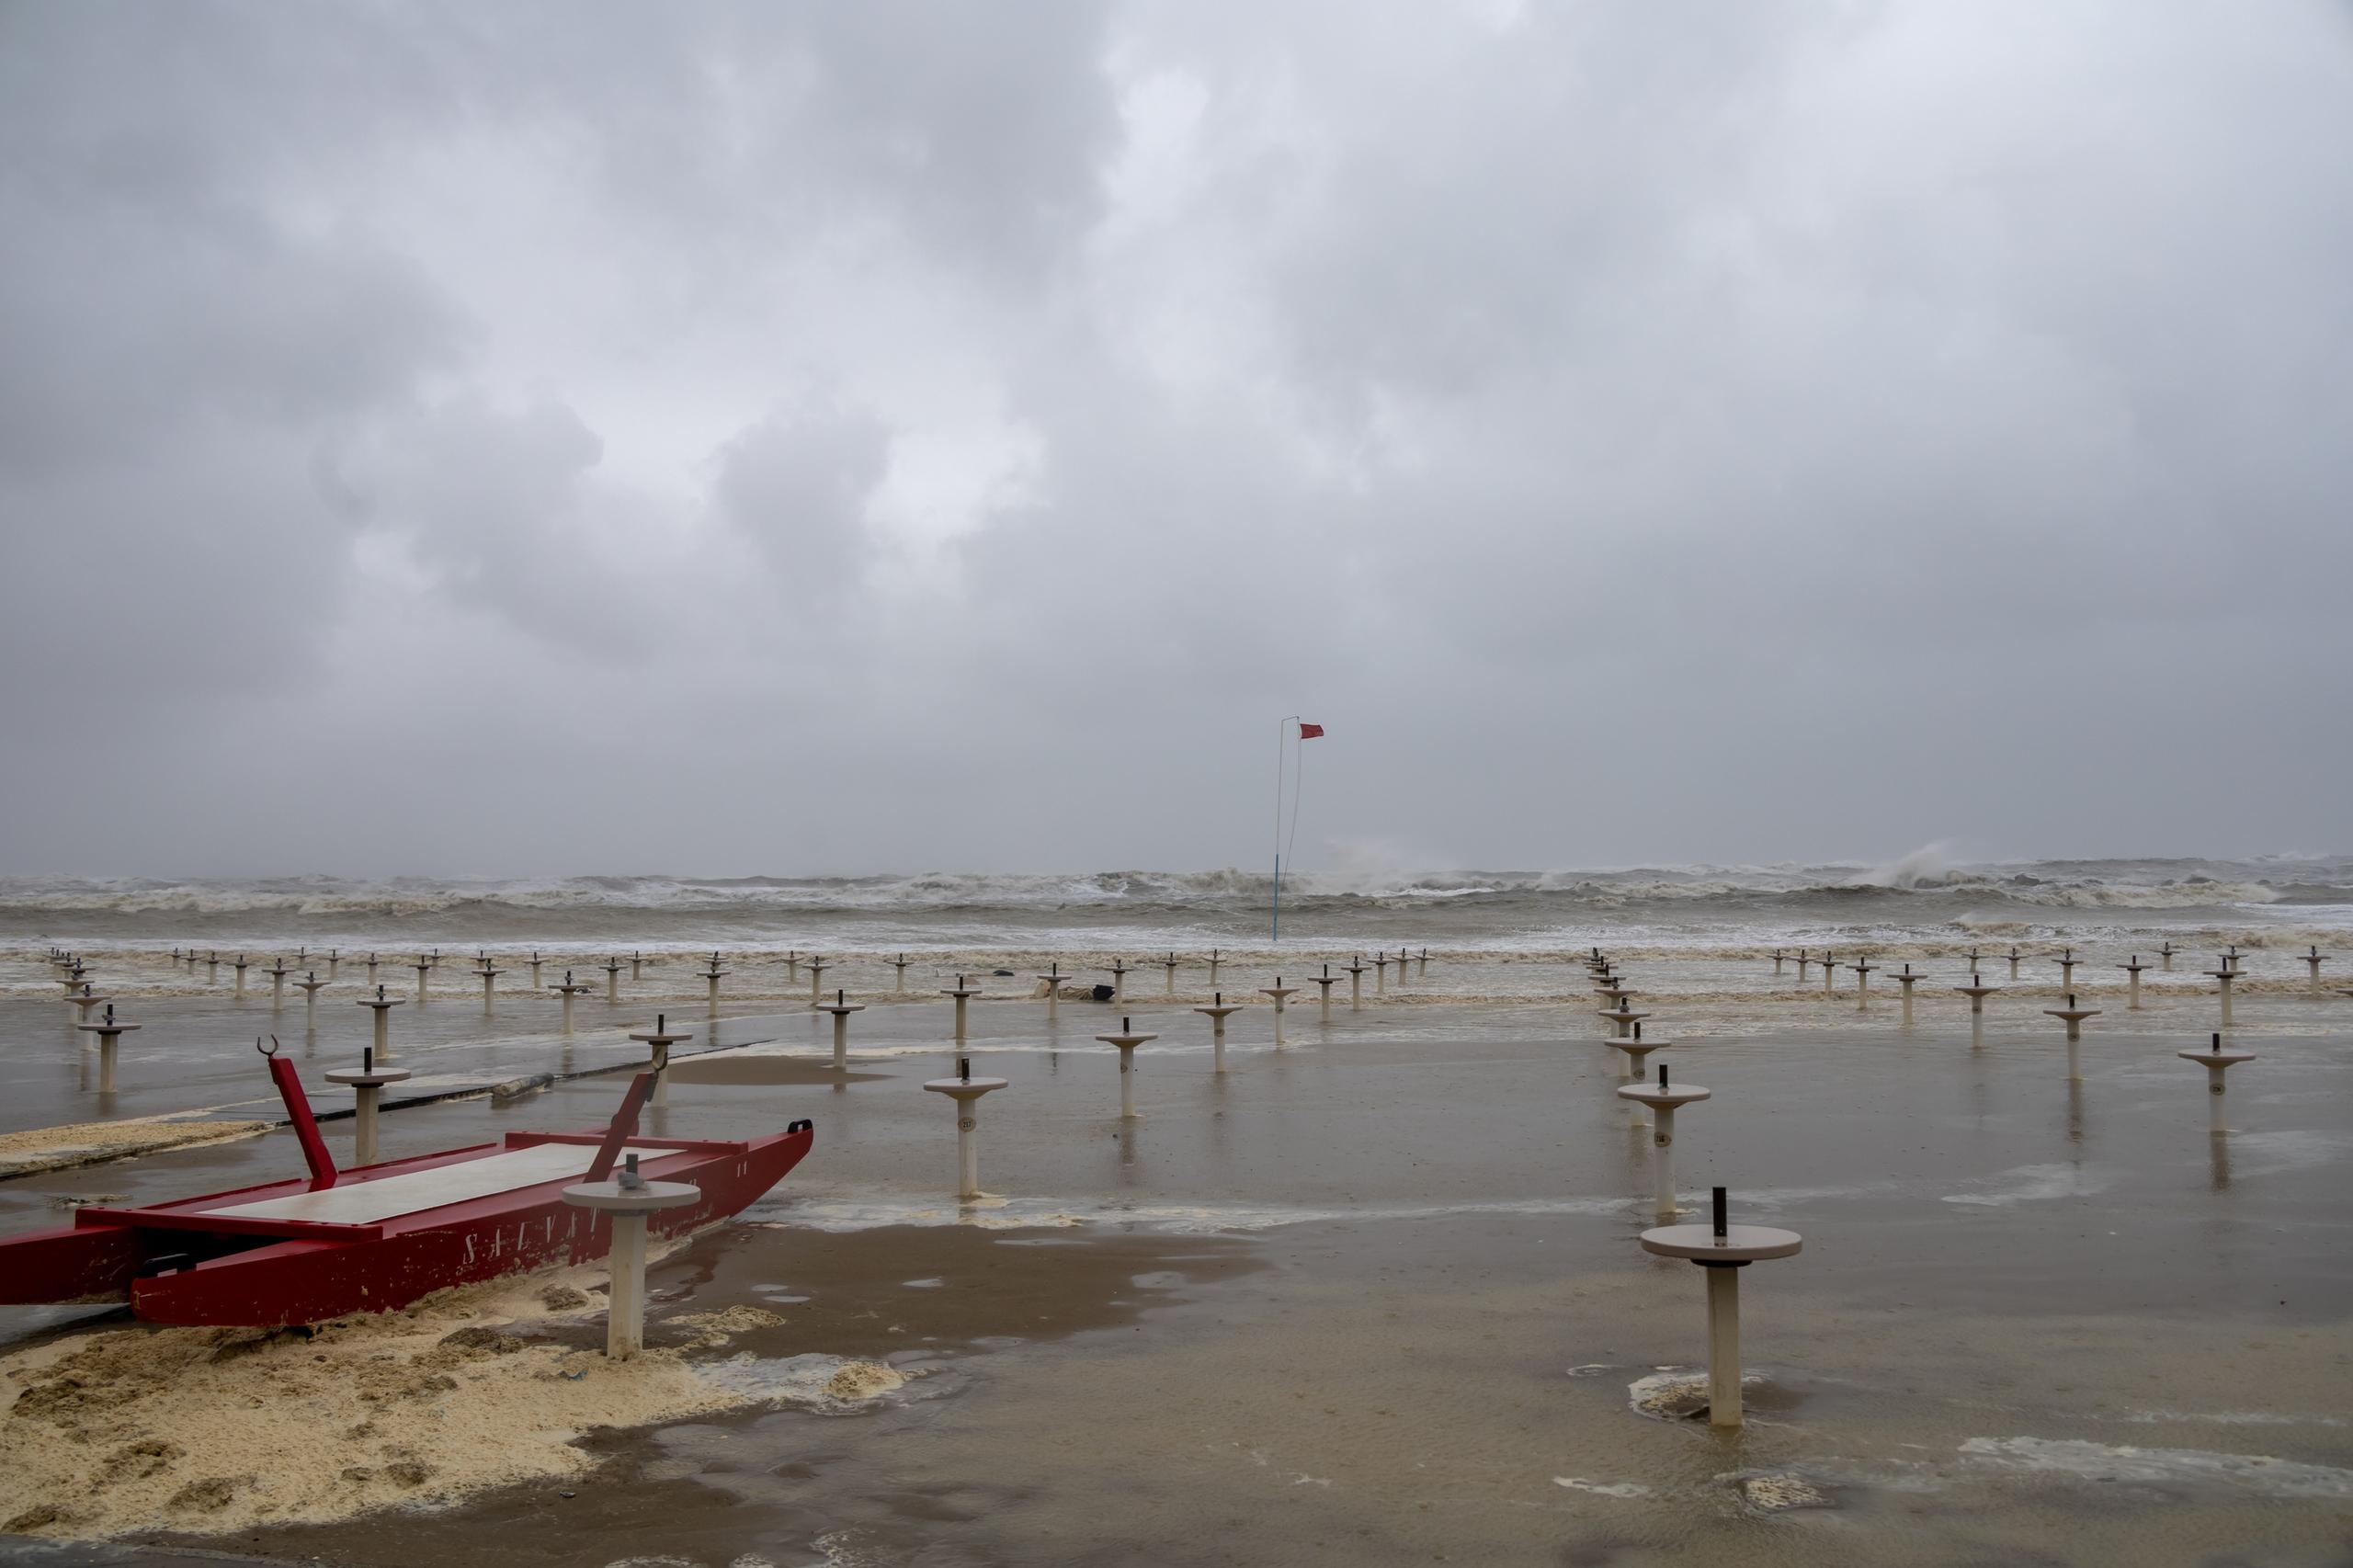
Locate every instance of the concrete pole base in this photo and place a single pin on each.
(1663, 1161)
(968, 1154)
(1723, 1346)
(625, 1319)
(363, 1124)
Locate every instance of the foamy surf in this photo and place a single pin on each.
(1180, 1219)
(825, 1385)
(2030, 1184)
(1356, 905)
(2169, 1468)
(1602, 1488)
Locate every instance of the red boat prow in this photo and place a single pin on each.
(377, 1238)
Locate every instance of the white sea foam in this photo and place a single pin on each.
(1605, 1489)
(1929, 863)
(1182, 1219)
(644, 905)
(829, 1385)
(2227, 1419)
(1675, 1394)
(2161, 1467)
(2290, 1149)
(2031, 1184)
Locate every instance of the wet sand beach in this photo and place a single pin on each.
(1128, 782)
(1372, 1297)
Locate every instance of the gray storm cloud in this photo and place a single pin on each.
(812, 438)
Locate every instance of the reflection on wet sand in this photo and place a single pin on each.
(750, 1069)
(899, 1315)
(1377, 1298)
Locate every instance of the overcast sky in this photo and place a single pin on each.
(535, 439)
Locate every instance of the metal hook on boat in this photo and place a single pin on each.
(269, 1050)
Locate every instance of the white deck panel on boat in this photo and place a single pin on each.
(366, 1203)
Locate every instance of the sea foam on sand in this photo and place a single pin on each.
(2161, 1467)
(89, 1143)
(208, 1430)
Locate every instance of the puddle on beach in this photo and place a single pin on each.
(755, 1067)
(495, 1400)
(1342, 1402)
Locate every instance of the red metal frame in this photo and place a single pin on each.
(306, 1127)
(608, 1150)
(182, 1263)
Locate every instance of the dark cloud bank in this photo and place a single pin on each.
(805, 438)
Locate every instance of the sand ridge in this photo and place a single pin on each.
(38, 1149)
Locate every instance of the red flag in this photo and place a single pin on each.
(1309, 732)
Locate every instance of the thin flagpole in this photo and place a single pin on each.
(1298, 783)
(1276, 933)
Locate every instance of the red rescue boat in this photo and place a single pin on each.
(378, 1237)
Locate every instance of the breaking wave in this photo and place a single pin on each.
(1925, 887)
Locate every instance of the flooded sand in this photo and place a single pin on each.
(752, 1069)
(123, 1426)
(1376, 1298)
(1403, 1396)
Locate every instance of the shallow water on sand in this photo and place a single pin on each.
(1375, 1296)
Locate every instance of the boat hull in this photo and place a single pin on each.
(208, 1261)
(310, 1280)
(72, 1265)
